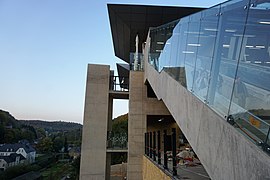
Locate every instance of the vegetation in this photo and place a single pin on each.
(11, 130)
(57, 170)
(50, 136)
(120, 126)
(53, 139)
(52, 127)
(76, 165)
(18, 170)
(45, 145)
(15, 171)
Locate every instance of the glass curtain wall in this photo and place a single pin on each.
(222, 56)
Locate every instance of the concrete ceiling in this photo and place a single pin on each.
(129, 20)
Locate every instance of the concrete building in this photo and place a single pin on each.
(203, 72)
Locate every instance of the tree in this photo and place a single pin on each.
(9, 136)
(66, 145)
(2, 133)
(58, 144)
(27, 134)
(40, 133)
(76, 165)
(45, 145)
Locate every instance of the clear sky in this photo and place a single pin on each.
(45, 46)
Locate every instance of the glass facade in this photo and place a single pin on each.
(222, 56)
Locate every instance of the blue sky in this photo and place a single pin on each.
(45, 46)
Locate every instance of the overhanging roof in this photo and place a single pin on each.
(129, 20)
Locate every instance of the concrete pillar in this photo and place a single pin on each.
(136, 126)
(109, 128)
(94, 136)
(139, 107)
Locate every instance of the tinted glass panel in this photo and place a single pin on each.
(228, 45)
(174, 45)
(193, 34)
(251, 95)
(154, 53)
(206, 46)
(180, 63)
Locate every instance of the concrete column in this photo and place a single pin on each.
(136, 126)
(139, 107)
(109, 128)
(93, 152)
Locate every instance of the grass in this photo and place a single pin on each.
(57, 171)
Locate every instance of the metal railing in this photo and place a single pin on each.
(117, 140)
(153, 149)
(136, 62)
(161, 149)
(253, 127)
(119, 83)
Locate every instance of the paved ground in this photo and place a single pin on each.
(190, 172)
(195, 173)
(116, 178)
(183, 172)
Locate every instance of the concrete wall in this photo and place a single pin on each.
(119, 171)
(139, 107)
(224, 152)
(151, 171)
(93, 152)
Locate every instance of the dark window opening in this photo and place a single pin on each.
(150, 91)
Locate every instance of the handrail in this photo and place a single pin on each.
(117, 140)
(119, 83)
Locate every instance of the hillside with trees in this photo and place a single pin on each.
(120, 128)
(53, 126)
(11, 130)
(51, 135)
(120, 124)
(53, 141)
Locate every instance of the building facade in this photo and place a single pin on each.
(207, 69)
(25, 150)
(11, 160)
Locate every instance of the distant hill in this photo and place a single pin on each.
(6, 119)
(120, 124)
(13, 130)
(121, 118)
(52, 126)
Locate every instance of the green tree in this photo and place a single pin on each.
(58, 144)
(27, 134)
(40, 133)
(45, 145)
(2, 133)
(65, 145)
(9, 136)
(76, 165)
(17, 135)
